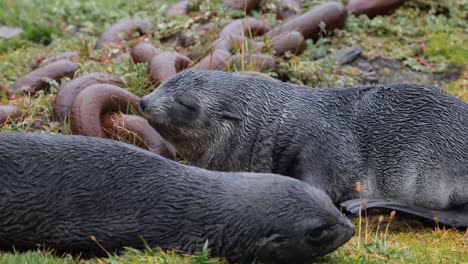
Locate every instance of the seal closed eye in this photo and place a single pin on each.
(187, 103)
(406, 144)
(231, 116)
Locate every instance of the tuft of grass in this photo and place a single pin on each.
(150, 256)
(402, 241)
(35, 257)
(39, 34)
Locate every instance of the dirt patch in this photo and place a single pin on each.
(385, 71)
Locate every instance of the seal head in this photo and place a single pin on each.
(301, 222)
(188, 112)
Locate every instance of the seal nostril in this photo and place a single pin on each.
(142, 105)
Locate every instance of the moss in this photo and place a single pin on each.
(9, 45)
(452, 46)
(34, 257)
(39, 34)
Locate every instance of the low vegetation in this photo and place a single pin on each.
(422, 42)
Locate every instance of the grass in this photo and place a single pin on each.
(381, 239)
(430, 31)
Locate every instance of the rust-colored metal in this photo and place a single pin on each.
(9, 112)
(33, 82)
(332, 14)
(70, 90)
(372, 8)
(69, 55)
(136, 130)
(115, 33)
(96, 100)
(165, 65)
(179, 9)
(290, 41)
(237, 42)
(216, 60)
(244, 27)
(235, 34)
(287, 8)
(143, 52)
(260, 61)
(204, 29)
(228, 43)
(243, 5)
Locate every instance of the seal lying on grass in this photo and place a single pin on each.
(405, 143)
(59, 190)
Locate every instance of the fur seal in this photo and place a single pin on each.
(58, 190)
(405, 143)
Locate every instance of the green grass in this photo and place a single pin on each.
(34, 257)
(377, 240)
(432, 30)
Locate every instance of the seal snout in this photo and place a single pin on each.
(143, 104)
(351, 231)
(149, 106)
(347, 231)
(343, 232)
(149, 111)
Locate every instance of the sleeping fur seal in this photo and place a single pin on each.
(58, 190)
(407, 144)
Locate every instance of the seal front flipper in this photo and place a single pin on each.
(457, 218)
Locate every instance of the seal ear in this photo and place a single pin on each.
(230, 115)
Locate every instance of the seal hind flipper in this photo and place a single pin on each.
(457, 218)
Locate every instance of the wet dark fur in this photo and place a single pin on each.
(404, 142)
(59, 190)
